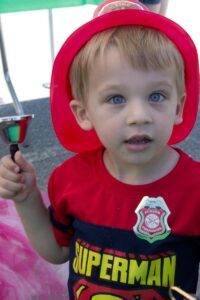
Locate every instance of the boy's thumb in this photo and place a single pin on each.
(22, 162)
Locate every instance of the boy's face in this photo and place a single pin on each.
(133, 111)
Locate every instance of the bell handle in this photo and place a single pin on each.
(13, 149)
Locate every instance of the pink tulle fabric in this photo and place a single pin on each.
(23, 274)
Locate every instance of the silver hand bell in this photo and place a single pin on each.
(13, 131)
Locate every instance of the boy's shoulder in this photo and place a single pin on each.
(79, 165)
(81, 160)
(187, 158)
(188, 165)
(76, 171)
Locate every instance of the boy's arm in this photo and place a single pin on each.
(35, 219)
(18, 182)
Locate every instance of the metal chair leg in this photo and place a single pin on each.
(17, 105)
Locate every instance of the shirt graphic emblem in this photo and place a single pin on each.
(152, 214)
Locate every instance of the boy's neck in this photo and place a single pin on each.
(142, 174)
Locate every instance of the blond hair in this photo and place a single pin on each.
(145, 48)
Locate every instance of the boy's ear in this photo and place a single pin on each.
(179, 109)
(80, 113)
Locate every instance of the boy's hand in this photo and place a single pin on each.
(17, 179)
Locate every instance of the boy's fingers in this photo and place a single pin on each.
(9, 189)
(5, 194)
(10, 175)
(20, 164)
(9, 164)
(10, 185)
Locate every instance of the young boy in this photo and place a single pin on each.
(124, 88)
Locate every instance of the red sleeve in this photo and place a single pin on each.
(61, 221)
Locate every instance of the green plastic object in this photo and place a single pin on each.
(14, 133)
(7, 6)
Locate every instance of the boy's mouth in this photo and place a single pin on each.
(139, 140)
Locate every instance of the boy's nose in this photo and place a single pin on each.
(138, 112)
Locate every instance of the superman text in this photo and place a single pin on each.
(125, 268)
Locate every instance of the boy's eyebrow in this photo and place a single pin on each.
(108, 86)
(163, 83)
(151, 84)
(168, 82)
(111, 88)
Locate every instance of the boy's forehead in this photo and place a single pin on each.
(142, 46)
(114, 67)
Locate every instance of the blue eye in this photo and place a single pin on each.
(156, 97)
(118, 99)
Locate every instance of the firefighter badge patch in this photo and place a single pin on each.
(152, 214)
